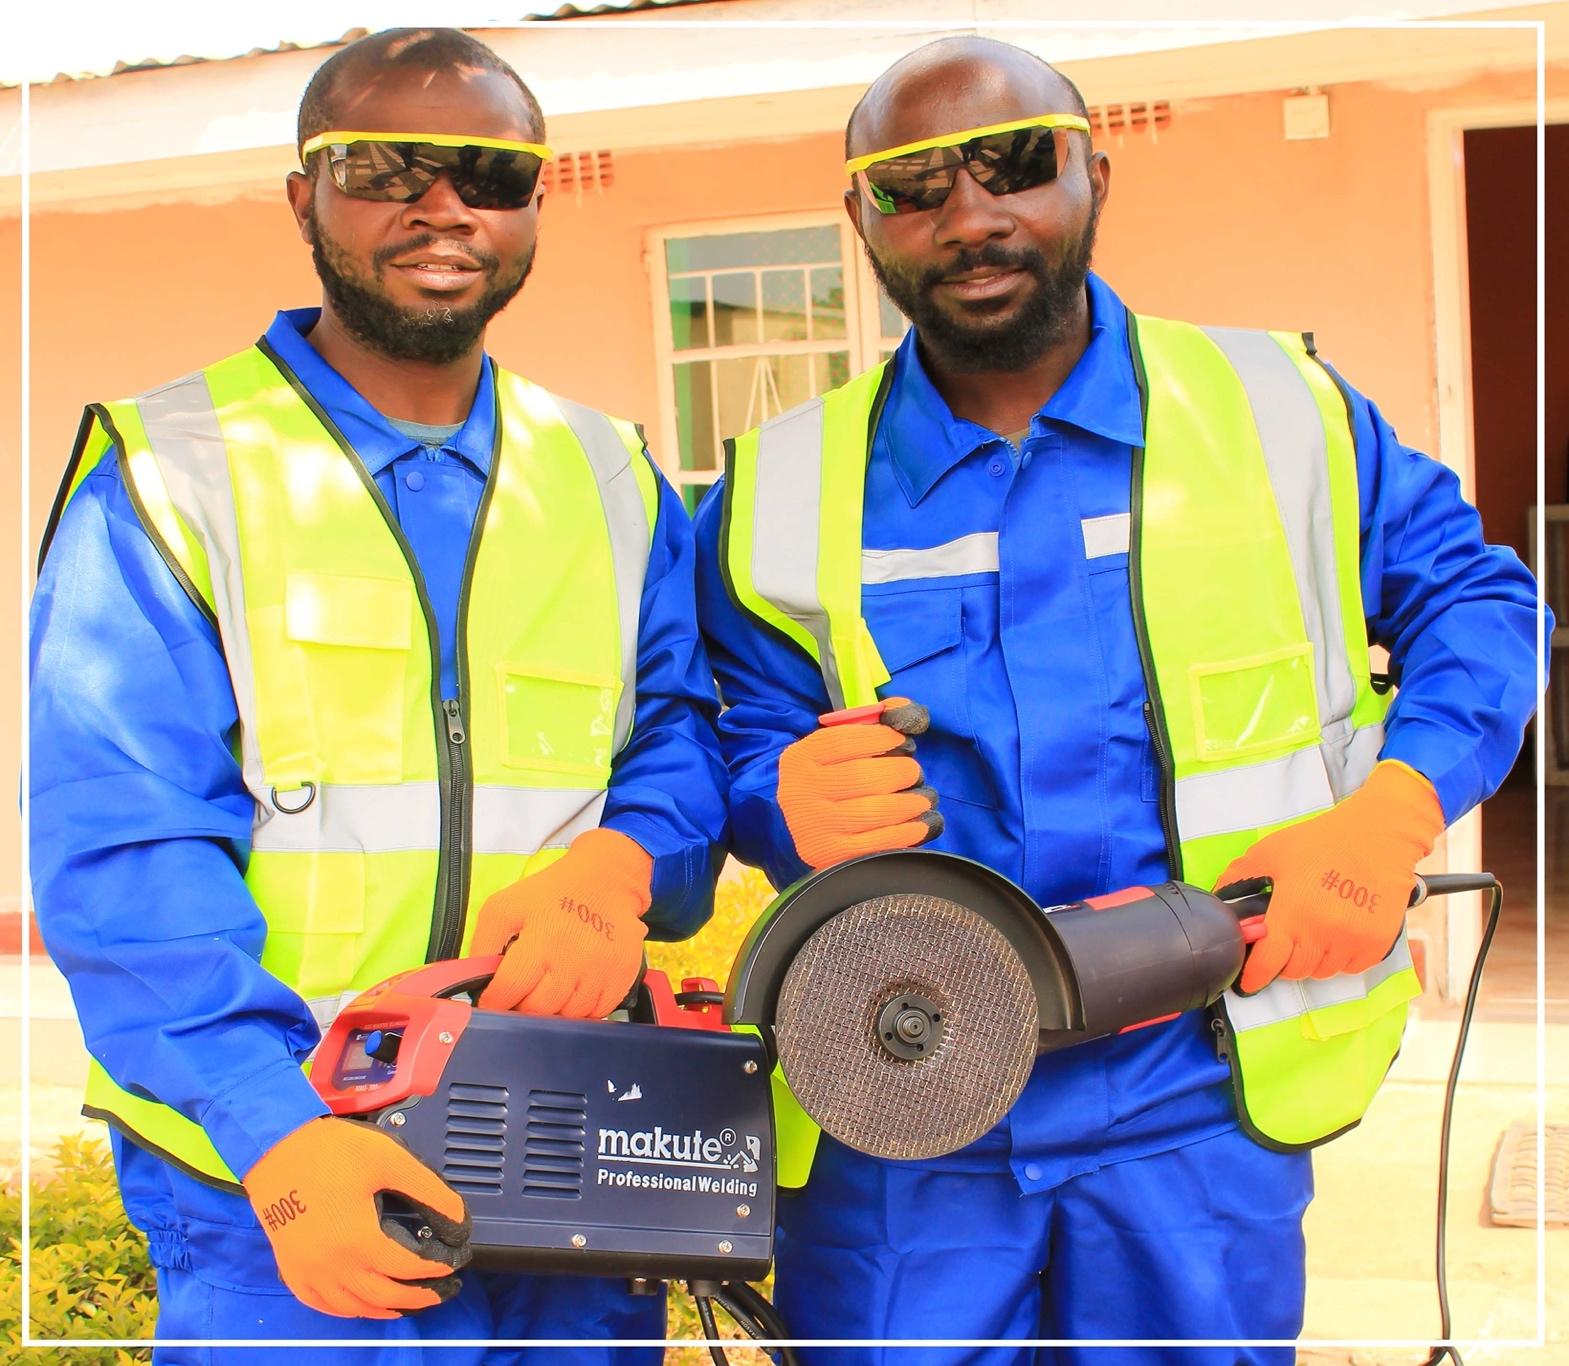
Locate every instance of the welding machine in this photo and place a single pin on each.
(642, 1148)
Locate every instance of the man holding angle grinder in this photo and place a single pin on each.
(350, 652)
(1112, 580)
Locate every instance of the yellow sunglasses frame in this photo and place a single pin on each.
(1070, 121)
(331, 139)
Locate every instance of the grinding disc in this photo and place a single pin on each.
(906, 959)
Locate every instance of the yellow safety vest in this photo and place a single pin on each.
(383, 810)
(1243, 540)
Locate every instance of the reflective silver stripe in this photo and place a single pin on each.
(524, 820)
(1246, 798)
(1106, 535)
(1282, 1000)
(1349, 756)
(355, 818)
(786, 535)
(1291, 433)
(183, 432)
(627, 518)
(1277, 790)
(973, 554)
(325, 1009)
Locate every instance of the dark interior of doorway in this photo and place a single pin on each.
(1500, 180)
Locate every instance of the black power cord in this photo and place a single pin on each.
(753, 1314)
(1441, 884)
(705, 1313)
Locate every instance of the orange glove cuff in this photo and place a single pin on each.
(1341, 880)
(318, 1195)
(850, 790)
(571, 934)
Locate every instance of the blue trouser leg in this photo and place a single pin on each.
(218, 1280)
(1203, 1241)
(489, 1307)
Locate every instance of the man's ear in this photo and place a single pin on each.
(299, 189)
(852, 208)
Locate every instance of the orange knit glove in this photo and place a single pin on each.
(1342, 880)
(850, 790)
(319, 1194)
(572, 933)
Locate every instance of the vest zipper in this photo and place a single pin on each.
(1168, 791)
(447, 933)
(1154, 714)
(457, 819)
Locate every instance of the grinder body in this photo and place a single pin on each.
(1144, 955)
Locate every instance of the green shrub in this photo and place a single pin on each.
(737, 904)
(90, 1274)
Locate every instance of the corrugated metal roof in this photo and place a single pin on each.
(158, 63)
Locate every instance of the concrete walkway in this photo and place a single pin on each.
(1370, 1228)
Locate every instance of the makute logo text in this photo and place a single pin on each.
(729, 1152)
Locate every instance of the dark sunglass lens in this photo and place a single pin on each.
(1006, 163)
(915, 183)
(397, 171)
(495, 177)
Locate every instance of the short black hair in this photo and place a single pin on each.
(1075, 97)
(424, 49)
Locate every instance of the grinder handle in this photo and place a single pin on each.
(1248, 899)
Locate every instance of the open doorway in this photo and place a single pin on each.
(1500, 234)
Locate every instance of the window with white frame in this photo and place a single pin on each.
(752, 319)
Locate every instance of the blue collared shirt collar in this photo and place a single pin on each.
(375, 440)
(924, 440)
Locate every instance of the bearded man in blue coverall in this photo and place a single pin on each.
(1119, 1198)
(146, 833)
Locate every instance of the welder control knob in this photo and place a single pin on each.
(383, 1046)
(909, 1026)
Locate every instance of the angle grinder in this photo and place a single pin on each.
(907, 994)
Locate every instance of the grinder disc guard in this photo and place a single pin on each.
(907, 1026)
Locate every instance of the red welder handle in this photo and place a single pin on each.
(451, 976)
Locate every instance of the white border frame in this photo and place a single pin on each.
(1537, 107)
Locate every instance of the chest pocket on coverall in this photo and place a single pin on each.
(919, 633)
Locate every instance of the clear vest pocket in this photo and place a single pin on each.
(557, 721)
(1261, 704)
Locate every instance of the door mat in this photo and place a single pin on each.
(1517, 1170)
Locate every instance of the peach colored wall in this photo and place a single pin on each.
(1225, 222)
(10, 556)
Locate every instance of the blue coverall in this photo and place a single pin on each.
(1044, 770)
(140, 834)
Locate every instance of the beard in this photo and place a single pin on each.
(436, 334)
(974, 343)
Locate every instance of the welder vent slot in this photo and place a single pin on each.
(554, 1135)
(476, 1138)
